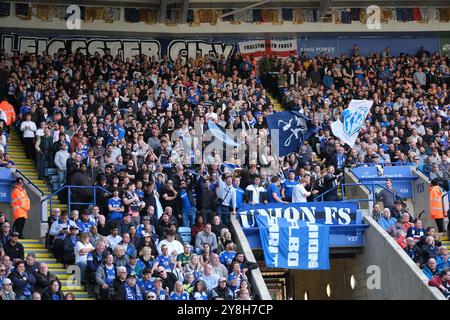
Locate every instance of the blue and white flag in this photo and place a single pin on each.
(293, 129)
(347, 128)
(220, 133)
(294, 244)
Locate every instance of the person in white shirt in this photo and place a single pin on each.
(82, 249)
(113, 239)
(28, 128)
(61, 158)
(300, 194)
(175, 246)
(255, 193)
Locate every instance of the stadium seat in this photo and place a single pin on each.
(185, 233)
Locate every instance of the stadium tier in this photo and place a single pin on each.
(159, 153)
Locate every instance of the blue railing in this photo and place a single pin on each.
(69, 198)
(386, 164)
(369, 186)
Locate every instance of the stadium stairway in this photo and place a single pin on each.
(17, 152)
(276, 104)
(43, 255)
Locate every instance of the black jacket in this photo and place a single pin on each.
(69, 251)
(47, 295)
(43, 282)
(14, 252)
(208, 200)
(225, 294)
(328, 185)
(20, 281)
(169, 281)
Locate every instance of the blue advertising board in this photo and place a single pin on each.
(402, 178)
(343, 218)
(294, 244)
(6, 183)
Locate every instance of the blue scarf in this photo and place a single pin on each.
(132, 293)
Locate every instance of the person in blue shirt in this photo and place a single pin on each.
(85, 223)
(287, 188)
(116, 207)
(386, 221)
(227, 256)
(120, 129)
(187, 204)
(161, 294)
(145, 282)
(236, 276)
(163, 259)
(443, 260)
(239, 193)
(178, 292)
(416, 231)
(273, 192)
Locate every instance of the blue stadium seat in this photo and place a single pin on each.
(185, 233)
(50, 172)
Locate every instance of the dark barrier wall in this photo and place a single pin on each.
(130, 46)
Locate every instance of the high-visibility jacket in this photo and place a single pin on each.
(436, 210)
(20, 202)
(8, 109)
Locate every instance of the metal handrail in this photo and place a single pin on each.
(70, 187)
(342, 185)
(446, 194)
(22, 175)
(388, 164)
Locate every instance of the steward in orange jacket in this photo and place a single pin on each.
(21, 205)
(436, 210)
(8, 109)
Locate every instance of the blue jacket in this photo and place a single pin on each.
(427, 271)
(385, 223)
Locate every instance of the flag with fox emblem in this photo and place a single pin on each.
(351, 121)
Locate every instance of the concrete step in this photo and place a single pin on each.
(29, 241)
(73, 288)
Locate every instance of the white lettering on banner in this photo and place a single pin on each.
(274, 238)
(313, 246)
(127, 47)
(293, 244)
(333, 215)
(190, 49)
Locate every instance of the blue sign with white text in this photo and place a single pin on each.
(6, 182)
(401, 176)
(294, 244)
(343, 218)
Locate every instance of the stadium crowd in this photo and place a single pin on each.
(161, 226)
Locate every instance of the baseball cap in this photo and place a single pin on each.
(73, 228)
(221, 279)
(146, 234)
(145, 218)
(131, 275)
(15, 234)
(228, 242)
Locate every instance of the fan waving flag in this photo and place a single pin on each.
(347, 128)
(293, 129)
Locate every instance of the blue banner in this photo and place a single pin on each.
(328, 213)
(294, 244)
(292, 129)
(401, 176)
(6, 182)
